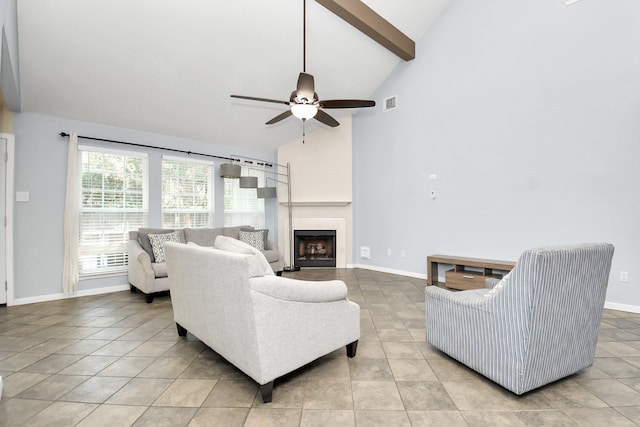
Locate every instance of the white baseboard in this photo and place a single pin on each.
(607, 305)
(388, 270)
(622, 307)
(82, 293)
(118, 288)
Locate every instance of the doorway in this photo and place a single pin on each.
(6, 218)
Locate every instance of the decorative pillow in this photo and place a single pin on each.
(259, 264)
(143, 240)
(253, 238)
(158, 241)
(264, 230)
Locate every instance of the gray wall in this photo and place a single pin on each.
(529, 115)
(40, 164)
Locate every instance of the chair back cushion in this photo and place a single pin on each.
(566, 294)
(259, 264)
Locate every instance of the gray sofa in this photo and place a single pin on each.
(266, 326)
(150, 277)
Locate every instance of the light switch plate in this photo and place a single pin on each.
(365, 252)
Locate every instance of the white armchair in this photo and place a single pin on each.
(538, 324)
(265, 325)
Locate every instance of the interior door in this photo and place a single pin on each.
(3, 220)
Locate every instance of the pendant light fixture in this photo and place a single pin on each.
(248, 182)
(229, 170)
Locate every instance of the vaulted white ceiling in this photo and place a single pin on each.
(169, 66)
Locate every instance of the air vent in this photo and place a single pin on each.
(390, 103)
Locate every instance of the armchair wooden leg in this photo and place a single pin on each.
(351, 349)
(181, 331)
(266, 390)
(148, 298)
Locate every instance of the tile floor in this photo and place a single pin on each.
(112, 360)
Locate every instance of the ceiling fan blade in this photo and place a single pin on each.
(306, 87)
(347, 103)
(253, 98)
(279, 117)
(323, 117)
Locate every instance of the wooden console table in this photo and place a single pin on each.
(459, 278)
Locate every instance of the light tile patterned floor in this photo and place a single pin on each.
(112, 360)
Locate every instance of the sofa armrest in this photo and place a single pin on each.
(299, 290)
(468, 298)
(141, 273)
(140, 255)
(271, 245)
(491, 282)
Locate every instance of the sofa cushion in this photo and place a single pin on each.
(259, 265)
(253, 238)
(202, 236)
(255, 269)
(300, 290)
(157, 243)
(235, 231)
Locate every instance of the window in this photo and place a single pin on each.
(241, 205)
(187, 193)
(114, 201)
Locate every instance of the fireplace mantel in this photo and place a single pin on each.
(316, 204)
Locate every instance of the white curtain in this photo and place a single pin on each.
(71, 214)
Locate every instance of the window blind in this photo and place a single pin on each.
(241, 205)
(187, 193)
(114, 201)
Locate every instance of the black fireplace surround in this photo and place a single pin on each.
(315, 248)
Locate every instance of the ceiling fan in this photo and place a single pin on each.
(304, 102)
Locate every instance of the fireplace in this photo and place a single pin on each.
(315, 248)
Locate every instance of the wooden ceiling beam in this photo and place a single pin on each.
(373, 25)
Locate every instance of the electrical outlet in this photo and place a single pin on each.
(624, 276)
(432, 194)
(22, 196)
(403, 254)
(365, 252)
(389, 251)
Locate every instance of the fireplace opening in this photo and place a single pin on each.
(315, 248)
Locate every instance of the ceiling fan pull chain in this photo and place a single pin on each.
(304, 133)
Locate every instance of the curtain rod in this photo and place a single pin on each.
(236, 159)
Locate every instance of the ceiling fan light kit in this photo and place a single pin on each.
(304, 111)
(304, 102)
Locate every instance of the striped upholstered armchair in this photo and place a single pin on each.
(538, 324)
